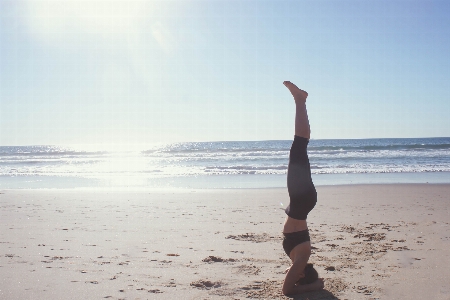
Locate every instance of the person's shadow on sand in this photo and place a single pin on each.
(317, 295)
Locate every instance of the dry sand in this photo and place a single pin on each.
(370, 242)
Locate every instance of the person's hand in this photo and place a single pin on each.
(317, 285)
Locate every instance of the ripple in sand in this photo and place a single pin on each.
(211, 258)
(253, 237)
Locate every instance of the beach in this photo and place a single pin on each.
(146, 149)
(385, 241)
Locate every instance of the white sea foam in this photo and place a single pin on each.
(226, 158)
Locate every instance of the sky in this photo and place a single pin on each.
(137, 72)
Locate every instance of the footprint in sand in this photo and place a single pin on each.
(205, 284)
(248, 270)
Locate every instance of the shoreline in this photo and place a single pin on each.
(370, 242)
(213, 190)
(255, 181)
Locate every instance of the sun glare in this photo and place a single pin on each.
(52, 20)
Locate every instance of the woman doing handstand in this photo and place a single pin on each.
(301, 277)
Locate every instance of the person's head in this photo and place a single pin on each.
(311, 275)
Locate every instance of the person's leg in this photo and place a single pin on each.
(302, 128)
(300, 186)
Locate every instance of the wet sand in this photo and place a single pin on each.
(370, 242)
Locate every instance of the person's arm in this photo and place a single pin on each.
(303, 288)
(293, 276)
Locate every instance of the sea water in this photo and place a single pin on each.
(240, 164)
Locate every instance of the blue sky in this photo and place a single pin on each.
(133, 72)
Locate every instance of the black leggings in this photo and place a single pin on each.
(302, 193)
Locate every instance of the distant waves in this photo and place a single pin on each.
(228, 158)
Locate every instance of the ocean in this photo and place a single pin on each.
(242, 164)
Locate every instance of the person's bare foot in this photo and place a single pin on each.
(299, 95)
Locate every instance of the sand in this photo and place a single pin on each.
(370, 242)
